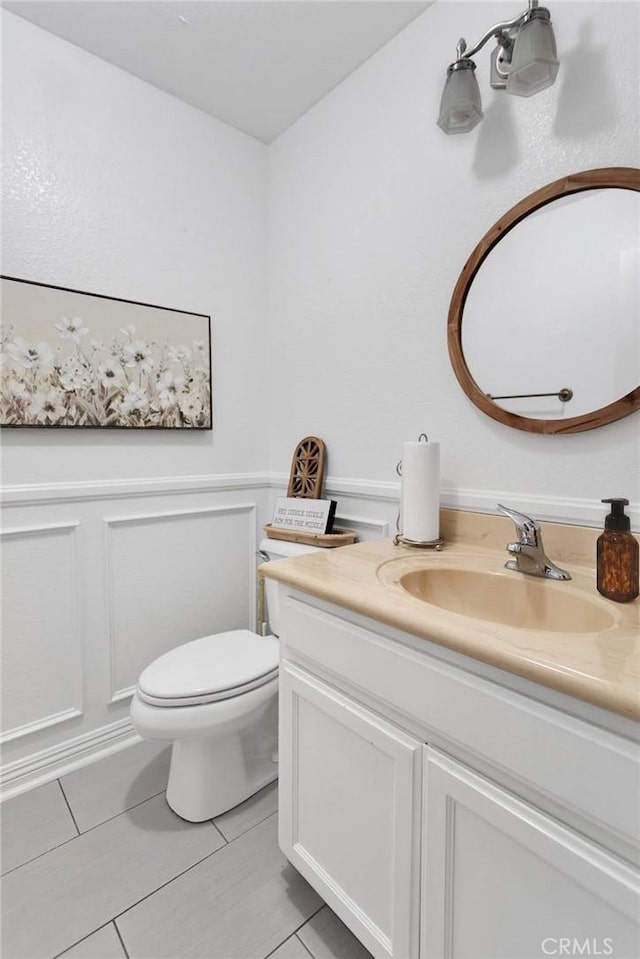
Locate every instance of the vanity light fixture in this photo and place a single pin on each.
(523, 63)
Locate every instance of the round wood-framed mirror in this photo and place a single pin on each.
(538, 338)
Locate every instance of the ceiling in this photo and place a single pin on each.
(256, 64)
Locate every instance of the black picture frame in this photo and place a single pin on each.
(73, 359)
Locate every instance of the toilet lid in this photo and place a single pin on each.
(211, 668)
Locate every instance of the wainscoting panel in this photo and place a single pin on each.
(98, 580)
(175, 576)
(41, 635)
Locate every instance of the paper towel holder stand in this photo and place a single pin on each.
(399, 539)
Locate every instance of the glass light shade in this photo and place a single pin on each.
(460, 107)
(534, 63)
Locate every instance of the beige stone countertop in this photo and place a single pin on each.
(600, 666)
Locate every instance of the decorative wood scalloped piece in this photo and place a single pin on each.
(307, 469)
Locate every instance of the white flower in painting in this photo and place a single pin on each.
(17, 390)
(71, 328)
(98, 346)
(46, 407)
(190, 407)
(135, 400)
(179, 353)
(129, 330)
(166, 400)
(171, 381)
(110, 374)
(73, 375)
(38, 357)
(170, 386)
(137, 355)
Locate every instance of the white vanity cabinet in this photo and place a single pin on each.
(500, 880)
(349, 814)
(442, 815)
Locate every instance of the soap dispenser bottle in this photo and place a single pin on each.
(617, 555)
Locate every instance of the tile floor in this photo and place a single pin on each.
(96, 866)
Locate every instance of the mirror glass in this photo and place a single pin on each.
(550, 304)
(556, 306)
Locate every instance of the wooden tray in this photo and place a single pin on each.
(339, 537)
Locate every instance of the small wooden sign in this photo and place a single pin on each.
(305, 515)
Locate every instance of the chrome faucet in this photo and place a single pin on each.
(529, 552)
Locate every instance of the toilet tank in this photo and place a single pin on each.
(279, 549)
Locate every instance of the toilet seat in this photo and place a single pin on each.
(210, 669)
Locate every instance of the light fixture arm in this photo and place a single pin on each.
(499, 31)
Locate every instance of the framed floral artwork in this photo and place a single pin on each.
(74, 359)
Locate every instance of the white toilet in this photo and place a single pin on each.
(215, 699)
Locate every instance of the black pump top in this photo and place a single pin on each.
(617, 519)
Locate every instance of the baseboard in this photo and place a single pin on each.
(48, 764)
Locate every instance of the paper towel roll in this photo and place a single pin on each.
(420, 491)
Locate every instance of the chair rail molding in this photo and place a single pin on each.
(571, 510)
(33, 494)
(555, 509)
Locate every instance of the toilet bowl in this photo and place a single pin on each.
(215, 699)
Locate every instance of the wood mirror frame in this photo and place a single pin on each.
(627, 178)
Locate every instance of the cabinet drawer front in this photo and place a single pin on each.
(349, 811)
(500, 879)
(589, 771)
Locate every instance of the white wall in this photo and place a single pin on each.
(113, 187)
(117, 546)
(373, 212)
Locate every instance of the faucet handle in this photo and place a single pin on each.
(528, 529)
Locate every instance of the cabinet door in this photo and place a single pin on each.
(349, 811)
(502, 881)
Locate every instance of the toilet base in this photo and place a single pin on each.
(197, 791)
(221, 751)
